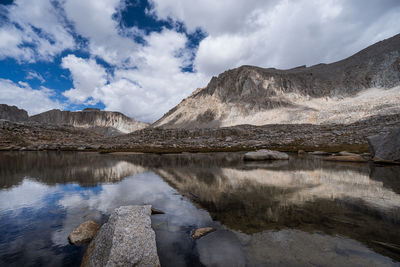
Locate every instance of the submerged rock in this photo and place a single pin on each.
(200, 232)
(127, 239)
(84, 233)
(264, 154)
(301, 152)
(222, 248)
(156, 211)
(320, 153)
(349, 158)
(385, 148)
(345, 153)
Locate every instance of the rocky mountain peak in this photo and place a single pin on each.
(106, 122)
(13, 113)
(323, 93)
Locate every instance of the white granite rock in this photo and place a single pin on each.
(127, 239)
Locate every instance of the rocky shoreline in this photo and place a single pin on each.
(283, 137)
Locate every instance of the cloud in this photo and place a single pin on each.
(23, 96)
(10, 40)
(34, 30)
(215, 17)
(34, 75)
(281, 34)
(29, 194)
(106, 39)
(88, 78)
(156, 81)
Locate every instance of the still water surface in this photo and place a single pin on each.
(303, 212)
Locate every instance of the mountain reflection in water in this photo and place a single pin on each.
(303, 211)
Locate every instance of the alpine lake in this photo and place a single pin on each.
(298, 212)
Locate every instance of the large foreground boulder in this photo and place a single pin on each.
(386, 147)
(127, 239)
(265, 154)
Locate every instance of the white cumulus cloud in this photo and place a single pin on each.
(23, 96)
(88, 78)
(144, 92)
(106, 39)
(35, 30)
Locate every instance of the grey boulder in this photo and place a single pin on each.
(386, 147)
(265, 154)
(127, 239)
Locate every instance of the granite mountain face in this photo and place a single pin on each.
(13, 113)
(363, 85)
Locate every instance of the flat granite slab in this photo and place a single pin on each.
(127, 239)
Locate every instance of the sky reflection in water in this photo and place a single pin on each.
(299, 212)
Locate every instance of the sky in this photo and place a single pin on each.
(142, 57)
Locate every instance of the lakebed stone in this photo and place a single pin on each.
(156, 211)
(348, 158)
(345, 153)
(320, 153)
(264, 154)
(385, 148)
(127, 239)
(84, 233)
(200, 232)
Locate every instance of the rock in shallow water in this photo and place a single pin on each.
(156, 211)
(264, 154)
(127, 239)
(301, 152)
(320, 153)
(200, 232)
(84, 233)
(353, 158)
(345, 153)
(385, 148)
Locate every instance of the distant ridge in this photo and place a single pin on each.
(13, 113)
(108, 123)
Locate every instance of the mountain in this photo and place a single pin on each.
(108, 123)
(13, 113)
(363, 85)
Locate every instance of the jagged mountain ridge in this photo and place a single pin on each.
(107, 123)
(13, 113)
(104, 122)
(362, 85)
